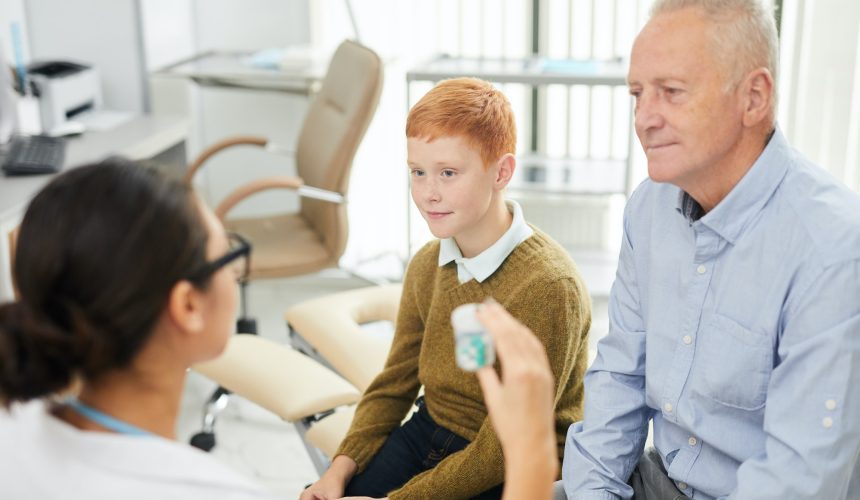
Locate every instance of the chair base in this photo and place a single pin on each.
(205, 439)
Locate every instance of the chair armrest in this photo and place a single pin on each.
(279, 379)
(278, 149)
(256, 186)
(277, 182)
(219, 146)
(332, 325)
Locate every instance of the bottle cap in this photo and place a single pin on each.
(464, 320)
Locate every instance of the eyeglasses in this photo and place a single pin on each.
(238, 257)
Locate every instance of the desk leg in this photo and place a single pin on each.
(172, 161)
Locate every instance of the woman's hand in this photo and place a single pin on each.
(520, 404)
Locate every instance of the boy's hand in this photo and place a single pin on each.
(332, 483)
(521, 403)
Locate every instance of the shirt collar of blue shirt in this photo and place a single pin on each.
(734, 213)
(483, 265)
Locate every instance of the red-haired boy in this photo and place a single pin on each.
(461, 140)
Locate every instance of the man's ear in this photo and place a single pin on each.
(758, 103)
(505, 168)
(185, 308)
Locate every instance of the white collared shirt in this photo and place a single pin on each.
(483, 265)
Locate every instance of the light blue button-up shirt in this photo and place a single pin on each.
(738, 334)
(483, 265)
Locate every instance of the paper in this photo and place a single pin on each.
(103, 119)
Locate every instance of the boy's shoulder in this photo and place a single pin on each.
(541, 258)
(544, 246)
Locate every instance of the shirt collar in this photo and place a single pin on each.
(483, 265)
(734, 213)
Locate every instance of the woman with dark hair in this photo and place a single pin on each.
(125, 280)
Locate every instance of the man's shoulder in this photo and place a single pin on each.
(826, 210)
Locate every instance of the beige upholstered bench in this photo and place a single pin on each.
(318, 398)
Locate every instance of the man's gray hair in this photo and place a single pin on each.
(746, 38)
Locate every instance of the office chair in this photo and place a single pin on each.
(314, 238)
(319, 400)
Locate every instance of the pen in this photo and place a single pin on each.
(18, 49)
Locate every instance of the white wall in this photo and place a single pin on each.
(249, 25)
(169, 31)
(105, 33)
(12, 11)
(179, 29)
(820, 104)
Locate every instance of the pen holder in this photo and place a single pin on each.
(8, 113)
(29, 121)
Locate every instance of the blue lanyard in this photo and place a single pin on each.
(104, 419)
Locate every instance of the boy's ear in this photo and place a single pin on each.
(505, 168)
(185, 308)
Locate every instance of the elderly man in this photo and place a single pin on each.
(735, 314)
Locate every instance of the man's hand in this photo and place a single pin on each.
(332, 483)
(521, 403)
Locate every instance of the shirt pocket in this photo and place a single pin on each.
(737, 363)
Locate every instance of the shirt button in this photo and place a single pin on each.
(667, 407)
(701, 269)
(827, 422)
(830, 404)
(688, 339)
(692, 441)
(682, 486)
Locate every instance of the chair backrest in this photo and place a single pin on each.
(333, 128)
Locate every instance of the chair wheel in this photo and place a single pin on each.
(203, 440)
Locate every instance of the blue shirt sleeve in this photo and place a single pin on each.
(602, 450)
(812, 417)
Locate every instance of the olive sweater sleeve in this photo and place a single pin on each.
(558, 312)
(392, 393)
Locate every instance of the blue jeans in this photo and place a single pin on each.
(416, 446)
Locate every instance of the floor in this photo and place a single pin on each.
(251, 439)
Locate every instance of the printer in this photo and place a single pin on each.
(65, 90)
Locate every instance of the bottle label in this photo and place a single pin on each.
(474, 350)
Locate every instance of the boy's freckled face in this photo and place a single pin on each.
(449, 185)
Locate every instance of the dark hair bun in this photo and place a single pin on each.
(100, 248)
(38, 358)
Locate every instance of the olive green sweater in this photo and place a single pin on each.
(539, 285)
